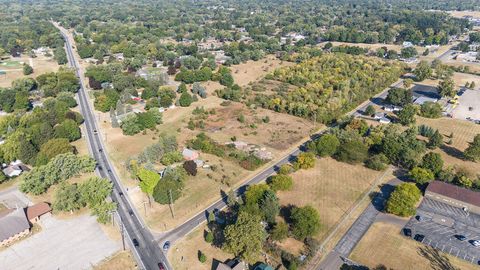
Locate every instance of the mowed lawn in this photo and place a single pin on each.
(383, 244)
(331, 187)
(122, 260)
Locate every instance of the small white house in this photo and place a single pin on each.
(15, 168)
(384, 120)
(378, 116)
(407, 44)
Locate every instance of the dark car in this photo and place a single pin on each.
(407, 232)
(166, 246)
(460, 237)
(135, 242)
(419, 218)
(160, 266)
(130, 213)
(419, 237)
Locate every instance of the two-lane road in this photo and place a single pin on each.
(148, 251)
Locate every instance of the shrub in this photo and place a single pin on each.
(403, 199)
(377, 162)
(280, 182)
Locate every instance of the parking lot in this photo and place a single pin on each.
(440, 223)
(468, 106)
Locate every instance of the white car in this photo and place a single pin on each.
(476, 243)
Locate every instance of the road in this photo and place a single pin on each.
(148, 252)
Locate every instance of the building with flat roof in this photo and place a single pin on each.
(454, 195)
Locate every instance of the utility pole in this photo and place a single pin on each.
(171, 203)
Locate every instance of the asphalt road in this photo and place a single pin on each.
(148, 251)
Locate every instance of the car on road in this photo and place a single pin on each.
(476, 243)
(160, 266)
(419, 237)
(407, 232)
(419, 218)
(130, 213)
(166, 246)
(135, 242)
(95, 132)
(460, 237)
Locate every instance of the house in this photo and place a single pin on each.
(36, 211)
(41, 51)
(423, 99)
(119, 56)
(407, 44)
(263, 266)
(455, 196)
(232, 265)
(378, 116)
(189, 154)
(13, 226)
(388, 108)
(384, 120)
(15, 168)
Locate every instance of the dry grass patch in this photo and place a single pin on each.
(121, 260)
(199, 192)
(184, 254)
(41, 64)
(460, 14)
(331, 187)
(251, 71)
(383, 244)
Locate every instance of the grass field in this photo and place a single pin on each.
(184, 254)
(383, 244)
(460, 14)
(331, 187)
(252, 71)
(120, 260)
(14, 68)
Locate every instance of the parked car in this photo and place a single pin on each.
(419, 237)
(475, 243)
(460, 237)
(160, 266)
(166, 246)
(419, 218)
(407, 232)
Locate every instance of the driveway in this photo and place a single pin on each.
(75, 243)
(469, 105)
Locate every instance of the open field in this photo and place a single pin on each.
(14, 68)
(251, 71)
(331, 187)
(463, 133)
(121, 260)
(459, 78)
(184, 254)
(460, 14)
(383, 244)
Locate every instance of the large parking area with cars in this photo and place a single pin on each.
(446, 228)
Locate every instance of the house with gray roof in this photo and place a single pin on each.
(13, 226)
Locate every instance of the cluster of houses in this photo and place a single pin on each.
(16, 223)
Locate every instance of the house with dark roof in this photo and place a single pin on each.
(231, 265)
(13, 226)
(454, 195)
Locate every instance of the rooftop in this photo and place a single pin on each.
(455, 192)
(13, 223)
(38, 210)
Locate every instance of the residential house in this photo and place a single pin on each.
(263, 266)
(41, 51)
(189, 154)
(407, 44)
(119, 56)
(232, 265)
(423, 99)
(456, 196)
(15, 168)
(384, 120)
(388, 108)
(378, 116)
(36, 211)
(13, 226)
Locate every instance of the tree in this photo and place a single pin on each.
(269, 206)
(52, 148)
(399, 96)
(305, 160)
(352, 151)
(423, 71)
(280, 231)
(148, 180)
(67, 198)
(421, 176)
(130, 125)
(431, 110)
(305, 222)
(435, 140)
(370, 110)
(209, 237)
(473, 150)
(377, 162)
(280, 182)
(408, 52)
(185, 99)
(68, 129)
(27, 69)
(201, 257)
(245, 237)
(95, 190)
(407, 83)
(446, 88)
(169, 188)
(433, 162)
(327, 145)
(407, 115)
(403, 199)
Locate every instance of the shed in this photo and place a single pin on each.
(36, 211)
(189, 154)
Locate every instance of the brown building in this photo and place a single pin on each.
(13, 226)
(36, 211)
(454, 195)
